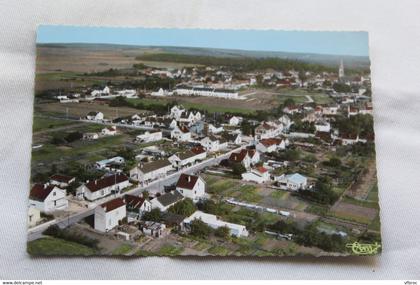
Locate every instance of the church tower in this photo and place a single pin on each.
(341, 70)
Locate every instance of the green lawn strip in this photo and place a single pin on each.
(248, 193)
(362, 203)
(55, 246)
(123, 249)
(218, 250)
(52, 152)
(278, 194)
(43, 123)
(170, 250)
(373, 194)
(375, 225)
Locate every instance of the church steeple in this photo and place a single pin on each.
(341, 70)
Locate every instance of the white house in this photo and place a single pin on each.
(62, 181)
(210, 143)
(48, 198)
(137, 206)
(109, 131)
(258, 175)
(268, 130)
(181, 134)
(186, 158)
(323, 126)
(95, 116)
(213, 222)
(109, 214)
(149, 137)
(286, 121)
(161, 93)
(191, 186)
(270, 145)
(215, 129)
(110, 163)
(290, 110)
(34, 216)
(176, 112)
(90, 136)
(166, 200)
(150, 171)
(235, 120)
(241, 157)
(292, 182)
(99, 188)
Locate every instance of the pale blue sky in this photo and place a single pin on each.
(334, 43)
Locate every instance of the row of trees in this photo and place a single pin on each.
(310, 236)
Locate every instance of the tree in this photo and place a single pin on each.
(154, 215)
(341, 87)
(289, 102)
(223, 232)
(333, 162)
(200, 229)
(73, 136)
(184, 208)
(238, 169)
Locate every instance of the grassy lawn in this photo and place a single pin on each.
(278, 194)
(189, 105)
(217, 185)
(248, 193)
(373, 194)
(42, 123)
(81, 148)
(170, 250)
(218, 250)
(123, 249)
(54, 246)
(362, 203)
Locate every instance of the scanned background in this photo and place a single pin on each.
(394, 28)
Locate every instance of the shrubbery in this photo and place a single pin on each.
(55, 231)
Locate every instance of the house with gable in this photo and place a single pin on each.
(163, 202)
(191, 186)
(108, 215)
(258, 175)
(47, 198)
(99, 188)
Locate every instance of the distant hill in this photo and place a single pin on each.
(354, 62)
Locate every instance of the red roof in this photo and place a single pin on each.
(40, 191)
(270, 142)
(238, 156)
(107, 181)
(134, 202)
(113, 204)
(262, 169)
(251, 152)
(198, 149)
(61, 178)
(187, 181)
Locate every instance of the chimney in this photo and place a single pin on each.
(189, 178)
(96, 182)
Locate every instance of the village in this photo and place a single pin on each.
(174, 178)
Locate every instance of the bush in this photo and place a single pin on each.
(223, 232)
(55, 231)
(154, 215)
(200, 229)
(184, 208)
(238, 169)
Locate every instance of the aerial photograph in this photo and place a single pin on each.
(194, 142)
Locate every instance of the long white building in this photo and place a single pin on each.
(184, 90)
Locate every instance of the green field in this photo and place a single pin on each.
(212, 109)
(51, 152)
(123, 249)
(54, 246)
(42, 123)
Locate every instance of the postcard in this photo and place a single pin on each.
(174, 142)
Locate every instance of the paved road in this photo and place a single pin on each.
(153, 187)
